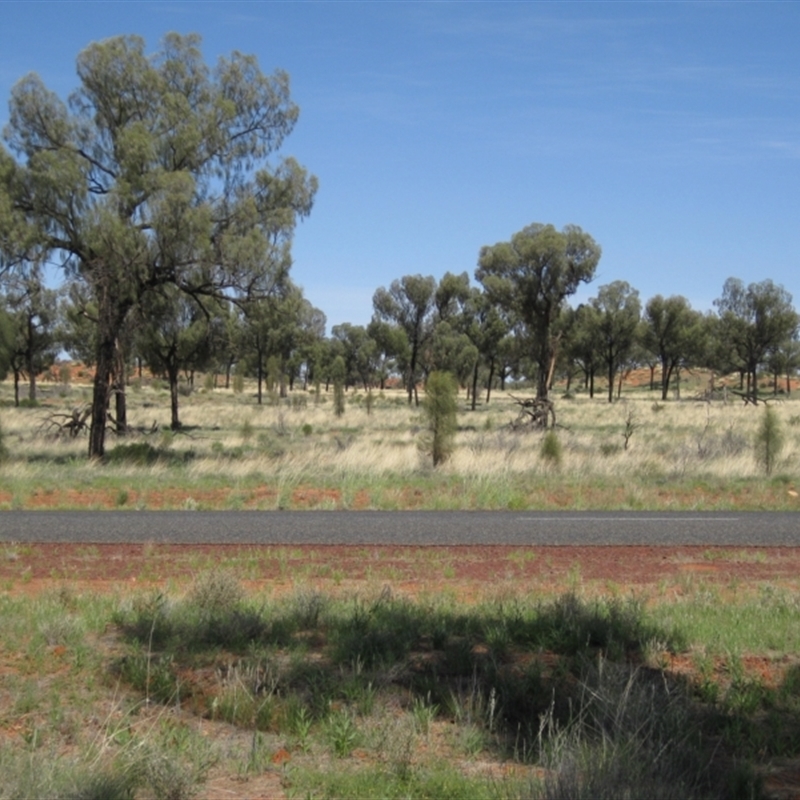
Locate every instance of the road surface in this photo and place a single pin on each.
(519, 528)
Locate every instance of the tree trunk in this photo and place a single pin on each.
(541, 383)
(611, 372)
(111, 316)
(543, 357)
(260, 378)
(16, 388)
(119, 390)
(475, 386)
(173, 375)
(591, 383)
(100, 392)
(121, 407)
(29, 363)
(32, 385)
(489, 382)
(666, 376)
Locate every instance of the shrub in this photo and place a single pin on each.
(135, 453)
(338, 374)
(215, 593)
(338, 398)
(769, 440)
(246, 430)
(550, 451)
(273, 373)
(238, 378)
(439, 409)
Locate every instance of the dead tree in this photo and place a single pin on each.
(534, 414)
(56, 425)
(59, 424)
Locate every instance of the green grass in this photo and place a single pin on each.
(769, 623)
(374, 690)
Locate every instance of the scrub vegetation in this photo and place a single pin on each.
(172, 690)
(300, 452)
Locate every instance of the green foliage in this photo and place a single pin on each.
(531, 276)
(753, 320)
(338, 375)
(551, 688)
(769, 440)
(609, 449)
(338, 399)
(407, 306)
(246, 430)
(615, 325)
(343, 733)
(273, 373)
(439, 409)
(550, 450)
(134, 453)
(128, 171)
(215, 593)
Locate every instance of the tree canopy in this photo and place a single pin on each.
(156, 171)
(532, 275)
(755, 320)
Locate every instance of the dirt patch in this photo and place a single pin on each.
(466, 570)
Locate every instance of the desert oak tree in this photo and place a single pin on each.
(156, 171)
(531, 276)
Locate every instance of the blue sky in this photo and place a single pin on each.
(670, 131)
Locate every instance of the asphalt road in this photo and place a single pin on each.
(520, 528)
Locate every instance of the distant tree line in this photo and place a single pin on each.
(419, 325)
(155, 192)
